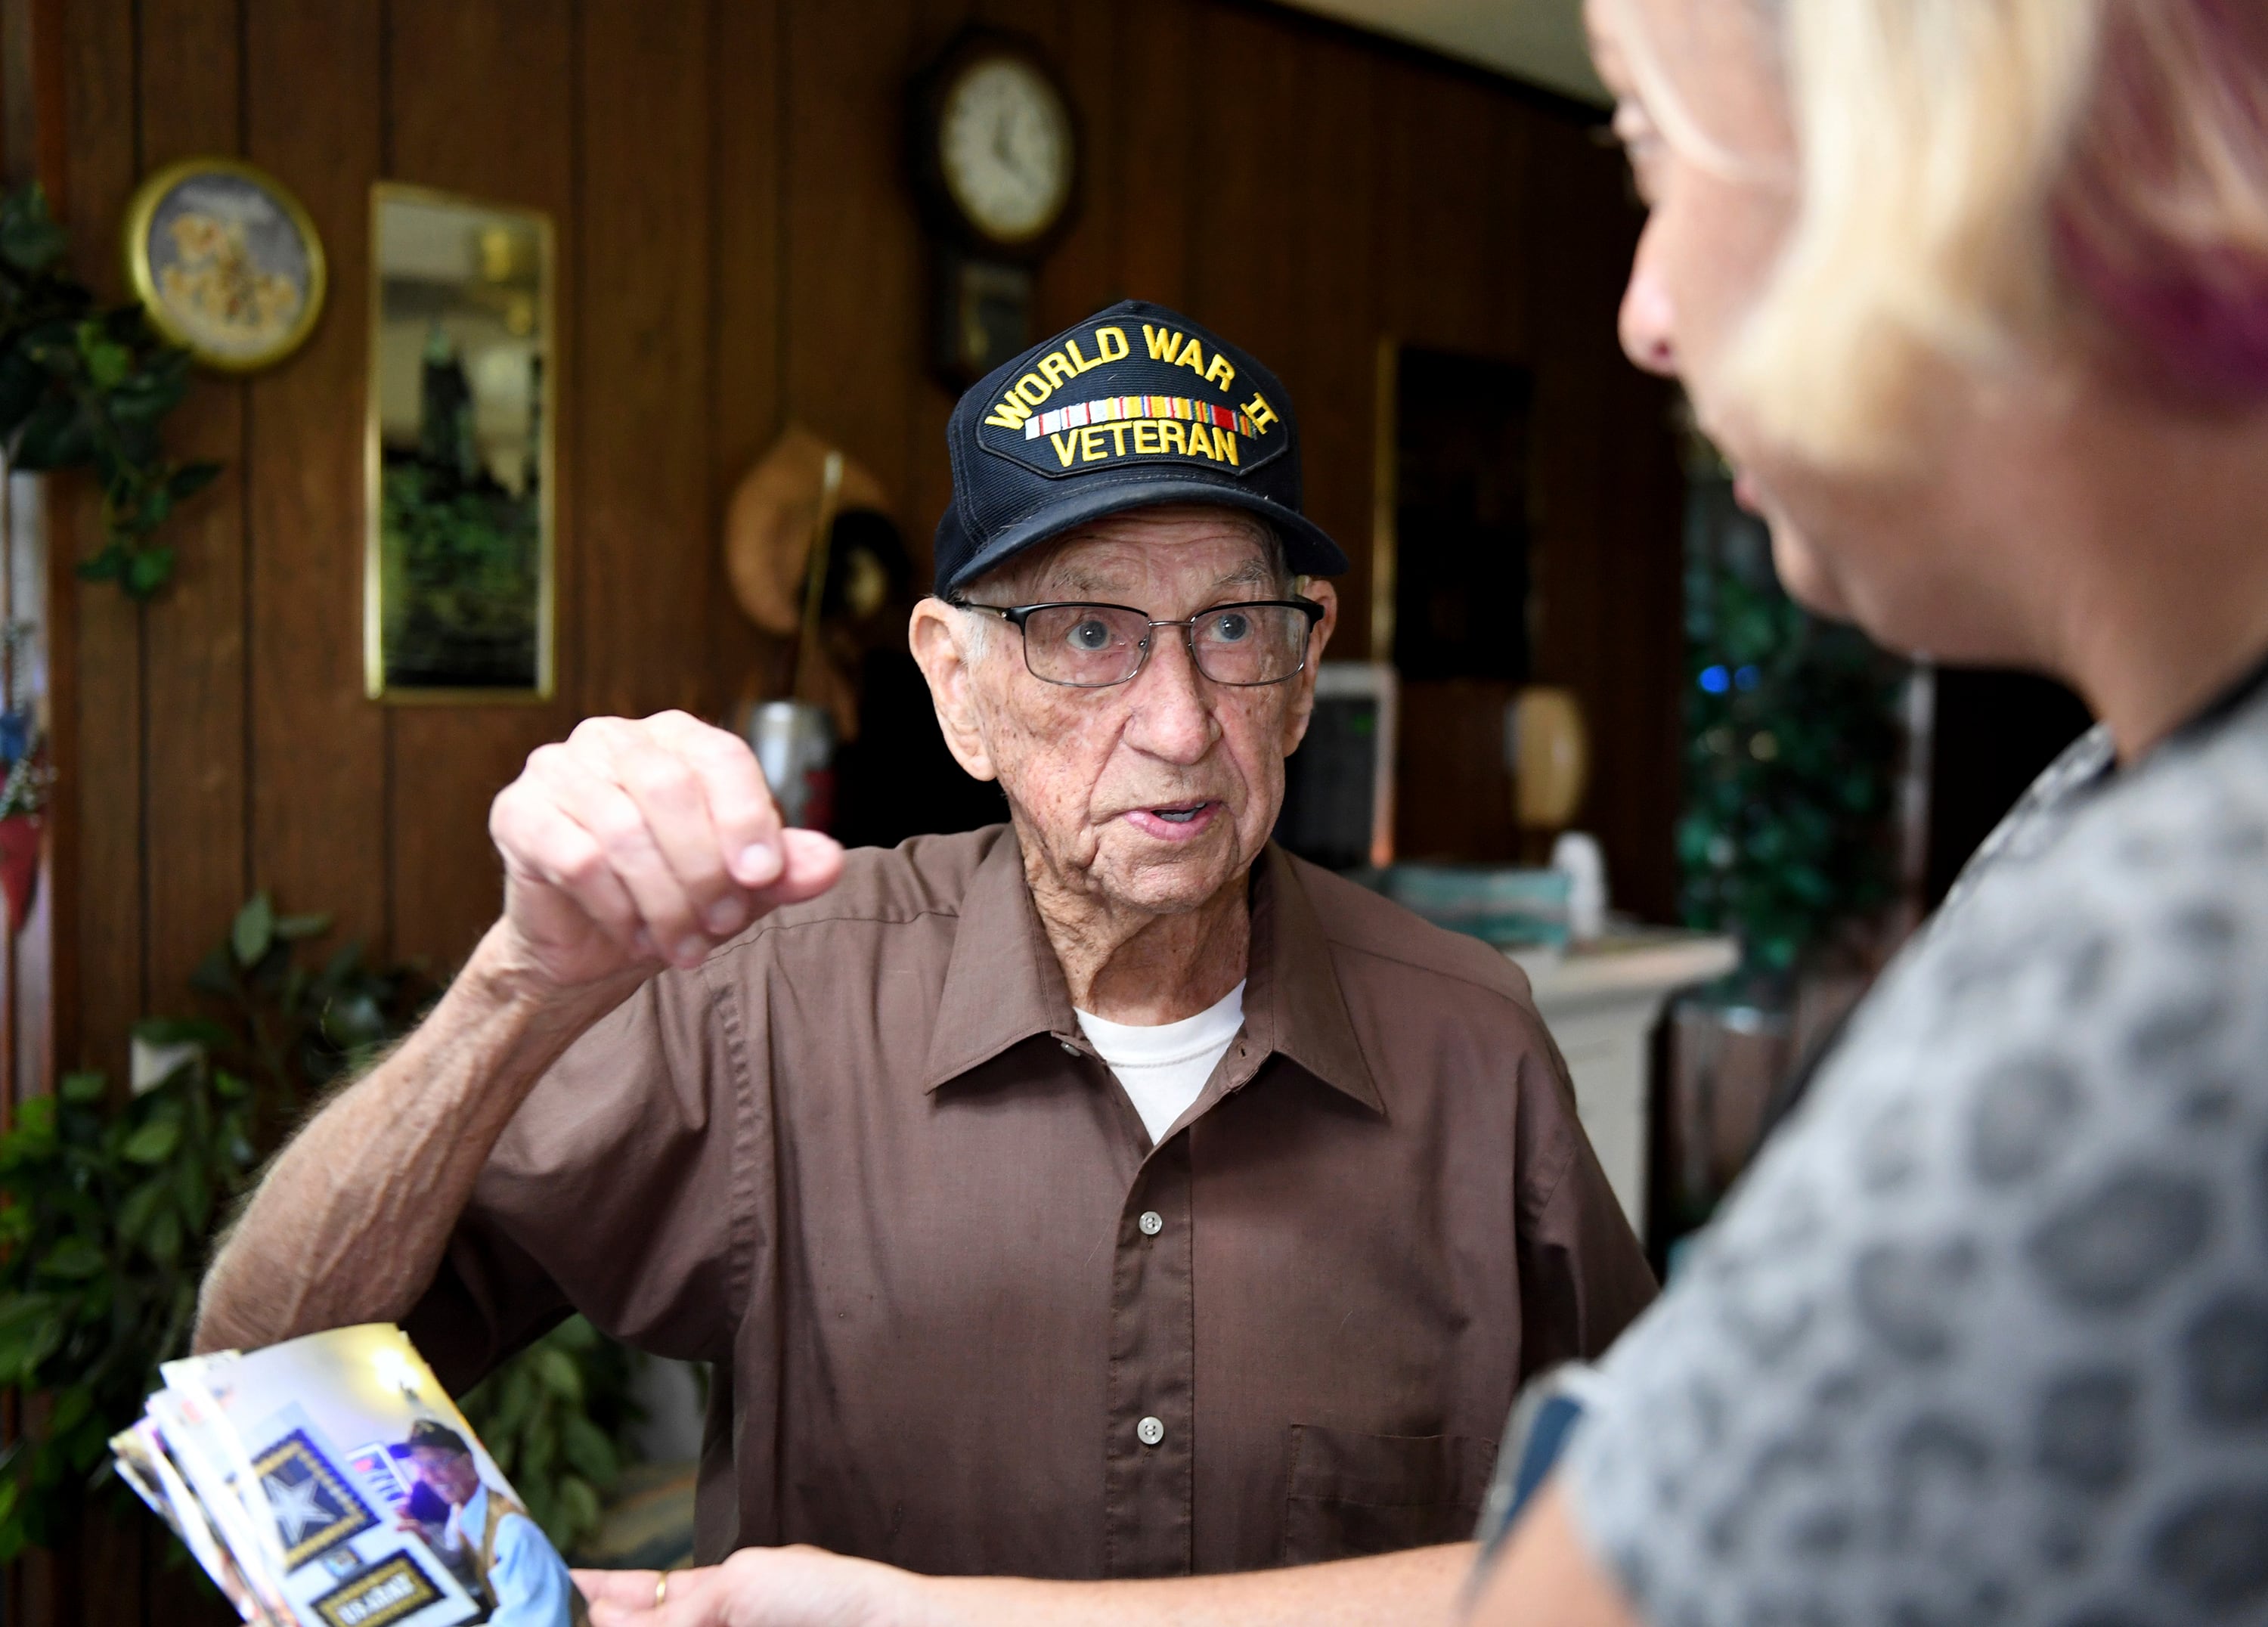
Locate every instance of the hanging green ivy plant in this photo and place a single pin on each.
(87, 388)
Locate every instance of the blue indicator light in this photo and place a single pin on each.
(1716, 680)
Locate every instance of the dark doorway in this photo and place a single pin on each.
(1464, 640)
(1460, 517)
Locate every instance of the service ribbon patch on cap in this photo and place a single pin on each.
(1093, 403)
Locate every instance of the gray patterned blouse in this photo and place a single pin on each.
(1983, 1335)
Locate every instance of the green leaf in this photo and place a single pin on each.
(254, 930)
(134, 453)
(74, 1258)
(30, 1328)
(141, 1208)
(345, 961)
(560, 1374)
(589, 1450)
(153, 1143)
(22, 384)
(106, 566)
(74, 1404)
(138, 402)
(216, 973)
(148, 569)
(578, 1508)
(183, 1031)
(189, 480)
(292, 928)
(108, 363)
(54, 437)
(30, 240)
(540, 1450)
(165, 1240)
(84, 1087)
(193, 1190)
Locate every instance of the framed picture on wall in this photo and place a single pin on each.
(458, 573)
(226, 263)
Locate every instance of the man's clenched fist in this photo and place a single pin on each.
(637, 844)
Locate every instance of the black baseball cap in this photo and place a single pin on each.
(1134, 407)
(432, 1432)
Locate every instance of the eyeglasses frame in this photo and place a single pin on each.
(1016, 615)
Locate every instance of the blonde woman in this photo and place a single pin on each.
(1974, 293)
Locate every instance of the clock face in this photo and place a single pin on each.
(1005, 142)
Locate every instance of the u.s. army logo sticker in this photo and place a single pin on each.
(314, 1506)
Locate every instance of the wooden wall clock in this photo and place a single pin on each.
(996, 165)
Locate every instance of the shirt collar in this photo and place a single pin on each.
(1003, 984)
(1293, 1004)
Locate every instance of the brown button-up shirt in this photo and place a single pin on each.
(864, 1160)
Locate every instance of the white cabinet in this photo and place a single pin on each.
(1601, 1001)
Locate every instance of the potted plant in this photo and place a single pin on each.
(1792, 746)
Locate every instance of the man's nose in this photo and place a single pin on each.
(1648, 318)
(1171, 719)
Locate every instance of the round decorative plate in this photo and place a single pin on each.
(226, 263)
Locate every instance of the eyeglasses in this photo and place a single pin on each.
(1085, 646)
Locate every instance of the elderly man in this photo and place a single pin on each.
(1106, 1195)
(487, 1539)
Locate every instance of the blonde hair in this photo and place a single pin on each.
(1979, 181)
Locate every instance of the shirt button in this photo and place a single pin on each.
(1150, 1432)
(1152, 1223)
(1070, 1049)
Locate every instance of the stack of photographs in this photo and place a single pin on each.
(330, 1481)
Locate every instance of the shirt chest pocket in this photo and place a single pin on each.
(1351, 1493)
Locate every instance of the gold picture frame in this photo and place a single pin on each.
(225, 261)
(461, 319)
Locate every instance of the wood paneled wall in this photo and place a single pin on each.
(737, 247)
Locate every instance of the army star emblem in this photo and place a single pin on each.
(298, 1508)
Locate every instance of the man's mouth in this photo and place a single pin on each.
(1174, 822)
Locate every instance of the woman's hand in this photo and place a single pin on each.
(762, 1587)
(631, 845)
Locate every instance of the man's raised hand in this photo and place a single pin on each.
(635, 844)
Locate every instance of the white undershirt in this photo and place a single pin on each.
(1163, 1069)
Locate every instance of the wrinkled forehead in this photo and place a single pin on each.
(1175, 551)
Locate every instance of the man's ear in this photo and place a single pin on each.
(937, 640)
(1303, 698)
